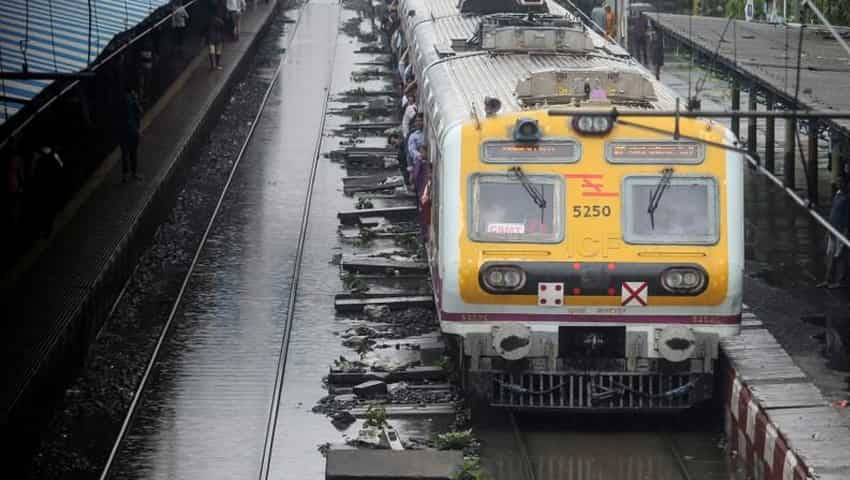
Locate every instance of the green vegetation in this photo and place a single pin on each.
(471, 470)
(453, 440)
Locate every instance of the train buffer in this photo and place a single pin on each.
(353, 217)
(346, 302)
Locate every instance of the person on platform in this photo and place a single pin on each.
(214, 34)
(179, 21)
(657, 51)
(130, 136)
(610, 23)
(598, 16)
(836, 251)
(638, 40)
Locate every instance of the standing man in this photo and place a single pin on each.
(610, 23)
(598, 16)
(639, 38)
(657, 51)
(214, 33)
(836, 252)
(179, 20)
(234, 14)
(130, 136)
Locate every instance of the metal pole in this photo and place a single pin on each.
(790, 144)
(736, 105)
(812, 180)
(752, 124)
(769, 138)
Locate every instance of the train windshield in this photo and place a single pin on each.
(504, 210)
(687, 213)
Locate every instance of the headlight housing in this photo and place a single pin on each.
(684, 280)
(593, 124)
(502, 278)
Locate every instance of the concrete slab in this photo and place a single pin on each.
(792, 395)
(390, 464)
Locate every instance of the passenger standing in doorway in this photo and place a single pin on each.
(657, 51)
(130, 136)
(836, 251)
(610, 23)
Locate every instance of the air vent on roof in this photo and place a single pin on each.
(555, 86)
(531, 33)
(483, 7)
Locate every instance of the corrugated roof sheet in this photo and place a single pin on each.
(57, 39)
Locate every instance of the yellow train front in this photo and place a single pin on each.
(583, 264)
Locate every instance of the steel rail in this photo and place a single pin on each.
(131, 411)
(677, 457)
(523, 451)
(274, 411)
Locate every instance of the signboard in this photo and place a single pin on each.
(547, 151)
(655, 152)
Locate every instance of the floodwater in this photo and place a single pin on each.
(205, 410)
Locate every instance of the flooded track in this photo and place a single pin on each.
(230, 388)
(208, 409)
(534, 447)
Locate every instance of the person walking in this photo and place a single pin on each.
(639, 38)
(234, 15)
(213, 34)
(130, 136)
(657, 51)
(179, 21)
(46, 188)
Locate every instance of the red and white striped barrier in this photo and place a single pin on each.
(759, 444)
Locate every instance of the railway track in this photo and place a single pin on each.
(532, 450)
(155, 360)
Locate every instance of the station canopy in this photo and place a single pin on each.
(53, 36)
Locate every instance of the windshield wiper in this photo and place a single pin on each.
(656, 194)
(529, 187)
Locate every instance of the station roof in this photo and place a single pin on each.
(55, 34)
(767, 54)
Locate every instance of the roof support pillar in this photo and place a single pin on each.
(812, 170)
(752, 124)
(769, 137)
(790, 145)
(736, 105)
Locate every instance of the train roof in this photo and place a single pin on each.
(458, 74)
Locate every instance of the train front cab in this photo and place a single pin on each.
(584, 267)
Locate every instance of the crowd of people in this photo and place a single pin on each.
(409, 138)
(645, 41)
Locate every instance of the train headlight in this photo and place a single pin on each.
(527, 130)
(592, 124)
(683, 280)
(503, 278)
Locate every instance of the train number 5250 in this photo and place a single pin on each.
(591, 211)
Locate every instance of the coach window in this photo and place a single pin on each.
(684, 212)
(505, 208)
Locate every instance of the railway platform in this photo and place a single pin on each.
(59, 294)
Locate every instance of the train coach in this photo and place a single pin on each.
(581, 258)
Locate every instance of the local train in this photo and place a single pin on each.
(579, 260)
